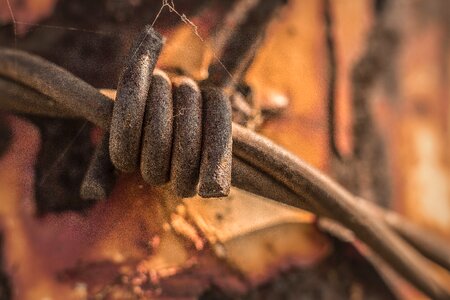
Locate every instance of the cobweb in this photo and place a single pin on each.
(168, 5)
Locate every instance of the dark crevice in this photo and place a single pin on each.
(5, 283)
(370, 158)
(379, 6)
(332, 71)
(237, 45)
(5, 136)
(366, 172)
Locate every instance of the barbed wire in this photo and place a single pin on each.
(201, 151)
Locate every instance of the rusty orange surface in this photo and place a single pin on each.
(142, 237)
(293, 63)
(414, 122)
(350, 44)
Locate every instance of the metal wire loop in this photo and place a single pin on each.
(172, 129)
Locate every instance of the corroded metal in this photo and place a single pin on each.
(255, 155)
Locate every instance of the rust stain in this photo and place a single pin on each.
(292, 62)
(415, 123)
(37, 249)
(350, 41)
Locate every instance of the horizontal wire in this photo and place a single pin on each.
(304, 186)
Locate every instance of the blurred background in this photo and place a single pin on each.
(358, 89)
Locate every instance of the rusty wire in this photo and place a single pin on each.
(201, 151)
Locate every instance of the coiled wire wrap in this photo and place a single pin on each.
(173, 130)
(259, 165)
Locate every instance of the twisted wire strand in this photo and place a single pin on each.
(258, 164)
(184, 137)
(131, 98)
